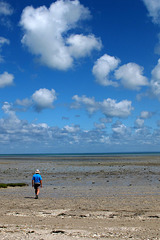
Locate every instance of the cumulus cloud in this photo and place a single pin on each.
(71, 129)
(24, 102)
(80, 45)
(7, 108)
(47, 33)
(102, 69)
(139, 123)
(40, 100)
(20, 132)
(112, 108)
(6, 80)
(153, 7)
(30, 137)
(5, 9)
(146, 114)
(119, 129)
(12, 120)
(131, 76)
(84, 101)
(155, 81)
(3, 41)
(43, 98)
(154, 85)
(109, 107)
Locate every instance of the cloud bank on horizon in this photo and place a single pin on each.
(65, 90)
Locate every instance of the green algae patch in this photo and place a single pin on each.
(5, 185)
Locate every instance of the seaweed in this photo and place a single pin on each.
(5, 185)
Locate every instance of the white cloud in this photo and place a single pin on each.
(156, 71)
(103, 67)
(43, 98)
(153, 7)
(154, 85)
(30, 137)
(5, 9)
(46, 33)
(146, 114)
(119, 129)
(6, 79)
(139, 123)
(84, 101)
(40, 100)
(100, 126)
(71, 129)
(155, 81)
(131, 76)
(3, 41)
(7, 108)
(80, 45)
(24, 102)
(20, 132)
(109, 107)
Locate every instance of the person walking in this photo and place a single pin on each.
(37, 182)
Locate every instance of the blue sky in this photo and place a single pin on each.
(79, 76)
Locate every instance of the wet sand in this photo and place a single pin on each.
(87, 198)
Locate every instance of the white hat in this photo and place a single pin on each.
(37, 171)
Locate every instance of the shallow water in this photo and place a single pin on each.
(88, 175)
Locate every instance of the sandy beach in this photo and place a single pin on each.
(101, 198)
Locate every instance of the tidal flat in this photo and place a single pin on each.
(83, 197)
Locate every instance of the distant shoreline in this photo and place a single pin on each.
(80, 154)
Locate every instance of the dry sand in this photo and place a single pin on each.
(113, 206)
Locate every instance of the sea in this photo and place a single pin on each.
(80, 155)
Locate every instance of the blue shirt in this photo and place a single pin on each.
(37, 178)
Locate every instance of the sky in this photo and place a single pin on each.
(79, 76)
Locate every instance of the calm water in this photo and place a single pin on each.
(81, 154)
